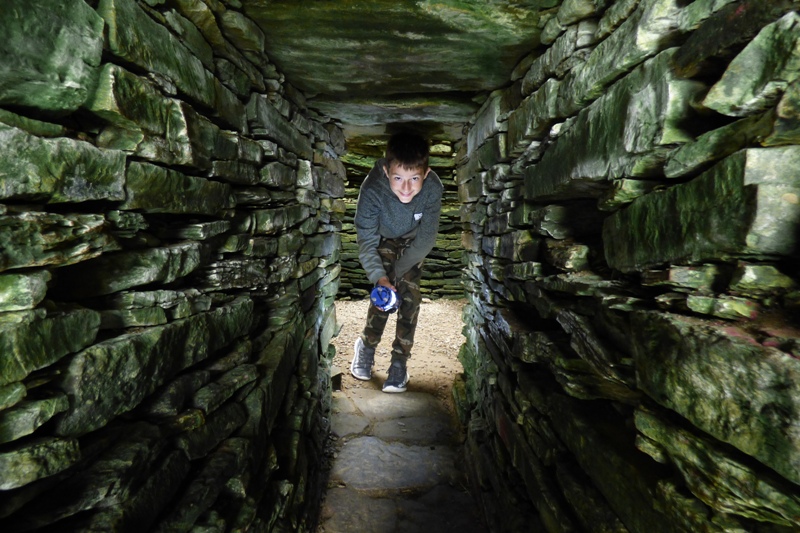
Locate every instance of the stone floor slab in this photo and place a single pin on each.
(377, 405)
(342, 403)
(416, 430)
(368, 463)
(349, 511)
(347, 424)
(442, 510)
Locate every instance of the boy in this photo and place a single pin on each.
(397, 218)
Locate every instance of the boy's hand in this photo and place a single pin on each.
(386, 283)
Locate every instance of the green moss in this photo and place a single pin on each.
(385, 49)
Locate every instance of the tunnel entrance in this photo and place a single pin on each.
(175, 179)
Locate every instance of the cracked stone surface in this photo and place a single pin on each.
(397, 466)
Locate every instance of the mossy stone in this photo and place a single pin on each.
(756, 77)
(200, 231)
(757, 279)
(603, 449)
(191, 36)
(746, 205)
(154, 189)
(137, 38)
(114, 376)
(110, 273)
(242, 31)
(218, 424)
(58, 170)
(35, 460)
(626, 133)
(36, 239)
(24, 418)
(205, 484)
(516, 246)
(716, 144)
(130, 318)
(213, 395)
(724, 382)
(143, 121)
(721, 478)
(278, 176)
(23, 291)
(30, 340)
(639, 37)
(731, 308)
(51, 53)
(721, 26)
(267, 121)
(11, 394)
(32, 126)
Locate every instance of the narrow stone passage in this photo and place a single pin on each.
(397, 465)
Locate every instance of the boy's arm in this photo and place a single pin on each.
(367, 221)
(424, 240)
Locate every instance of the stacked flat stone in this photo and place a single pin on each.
(169, 239)
(443, 271)
(630, 214)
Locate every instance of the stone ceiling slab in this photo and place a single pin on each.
(371, 62)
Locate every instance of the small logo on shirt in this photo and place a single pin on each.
(417, 216)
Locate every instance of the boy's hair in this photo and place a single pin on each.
(408, 150)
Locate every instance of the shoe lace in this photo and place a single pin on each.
(397, 373)
(365, 358)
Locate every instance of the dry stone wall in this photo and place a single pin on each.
(442, 275)
(169, 225)
(631, 225)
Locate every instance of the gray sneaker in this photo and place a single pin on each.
(363, 359)
(398, 378)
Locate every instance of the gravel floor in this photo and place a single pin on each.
(434, 359)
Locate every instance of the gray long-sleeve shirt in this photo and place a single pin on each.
(380, 214)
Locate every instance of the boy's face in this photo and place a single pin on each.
(405, 183)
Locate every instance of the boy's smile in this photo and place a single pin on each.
(405, 183)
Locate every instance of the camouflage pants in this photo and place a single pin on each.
(408, 289)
